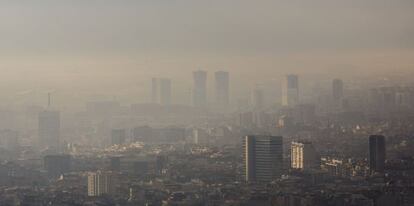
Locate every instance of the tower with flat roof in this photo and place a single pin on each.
(263, 158)
(290, 90)
(377, 153)
(199, 88)
(304, 156)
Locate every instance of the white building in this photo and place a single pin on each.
(304, 156)
(100, 183)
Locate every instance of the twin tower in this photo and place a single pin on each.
(161, 91)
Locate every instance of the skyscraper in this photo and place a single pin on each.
(337, 89)
(263, 158)
(304, 156)
(377, 153)
(258, 98)
(222, 88)
(49, 129)
(165, 91)
(200, 88)
(161, 91)
(154, 90)
(290, 90)
(100, 183)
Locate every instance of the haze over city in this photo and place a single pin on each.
(202, 103)
(111, 48)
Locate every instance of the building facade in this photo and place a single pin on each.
(100, 183)
(263, 158)
(377, 154)
(49, 129)
(304, 156)
(199, 88)
(290, 90)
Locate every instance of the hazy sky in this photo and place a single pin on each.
(112, 47)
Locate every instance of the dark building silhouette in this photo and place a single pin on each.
(49, 129)
(115, 163)
(376, 153)
(200, 88)
(290, 90)
(222, 88)
(263, 158)
(56, 165)
(258, 97)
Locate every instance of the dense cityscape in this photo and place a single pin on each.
(343, 147)
(207, 103)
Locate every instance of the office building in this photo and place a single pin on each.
(49, 129)
(337, 89)
(290, 90)
(56, 165)
(161, 91)
(222, 88)
(258, 98)
(377, 153)
(115, 163)
(304, 156)
(263, 158)
(100, 183)
(199, 88)
(165, 91)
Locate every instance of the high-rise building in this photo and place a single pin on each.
(118, 136)
(165, 91)
(49, 129)
(222, 88)
(290, 90)
(200, 88)
(337, 89)
(258, 98)
(304, 156)
(161, 91)
(56, 165)
(377, 153)
(263, 158)
(100, 183)
(154, 90)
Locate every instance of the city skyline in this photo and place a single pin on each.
(202, 103)
(111, 48)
